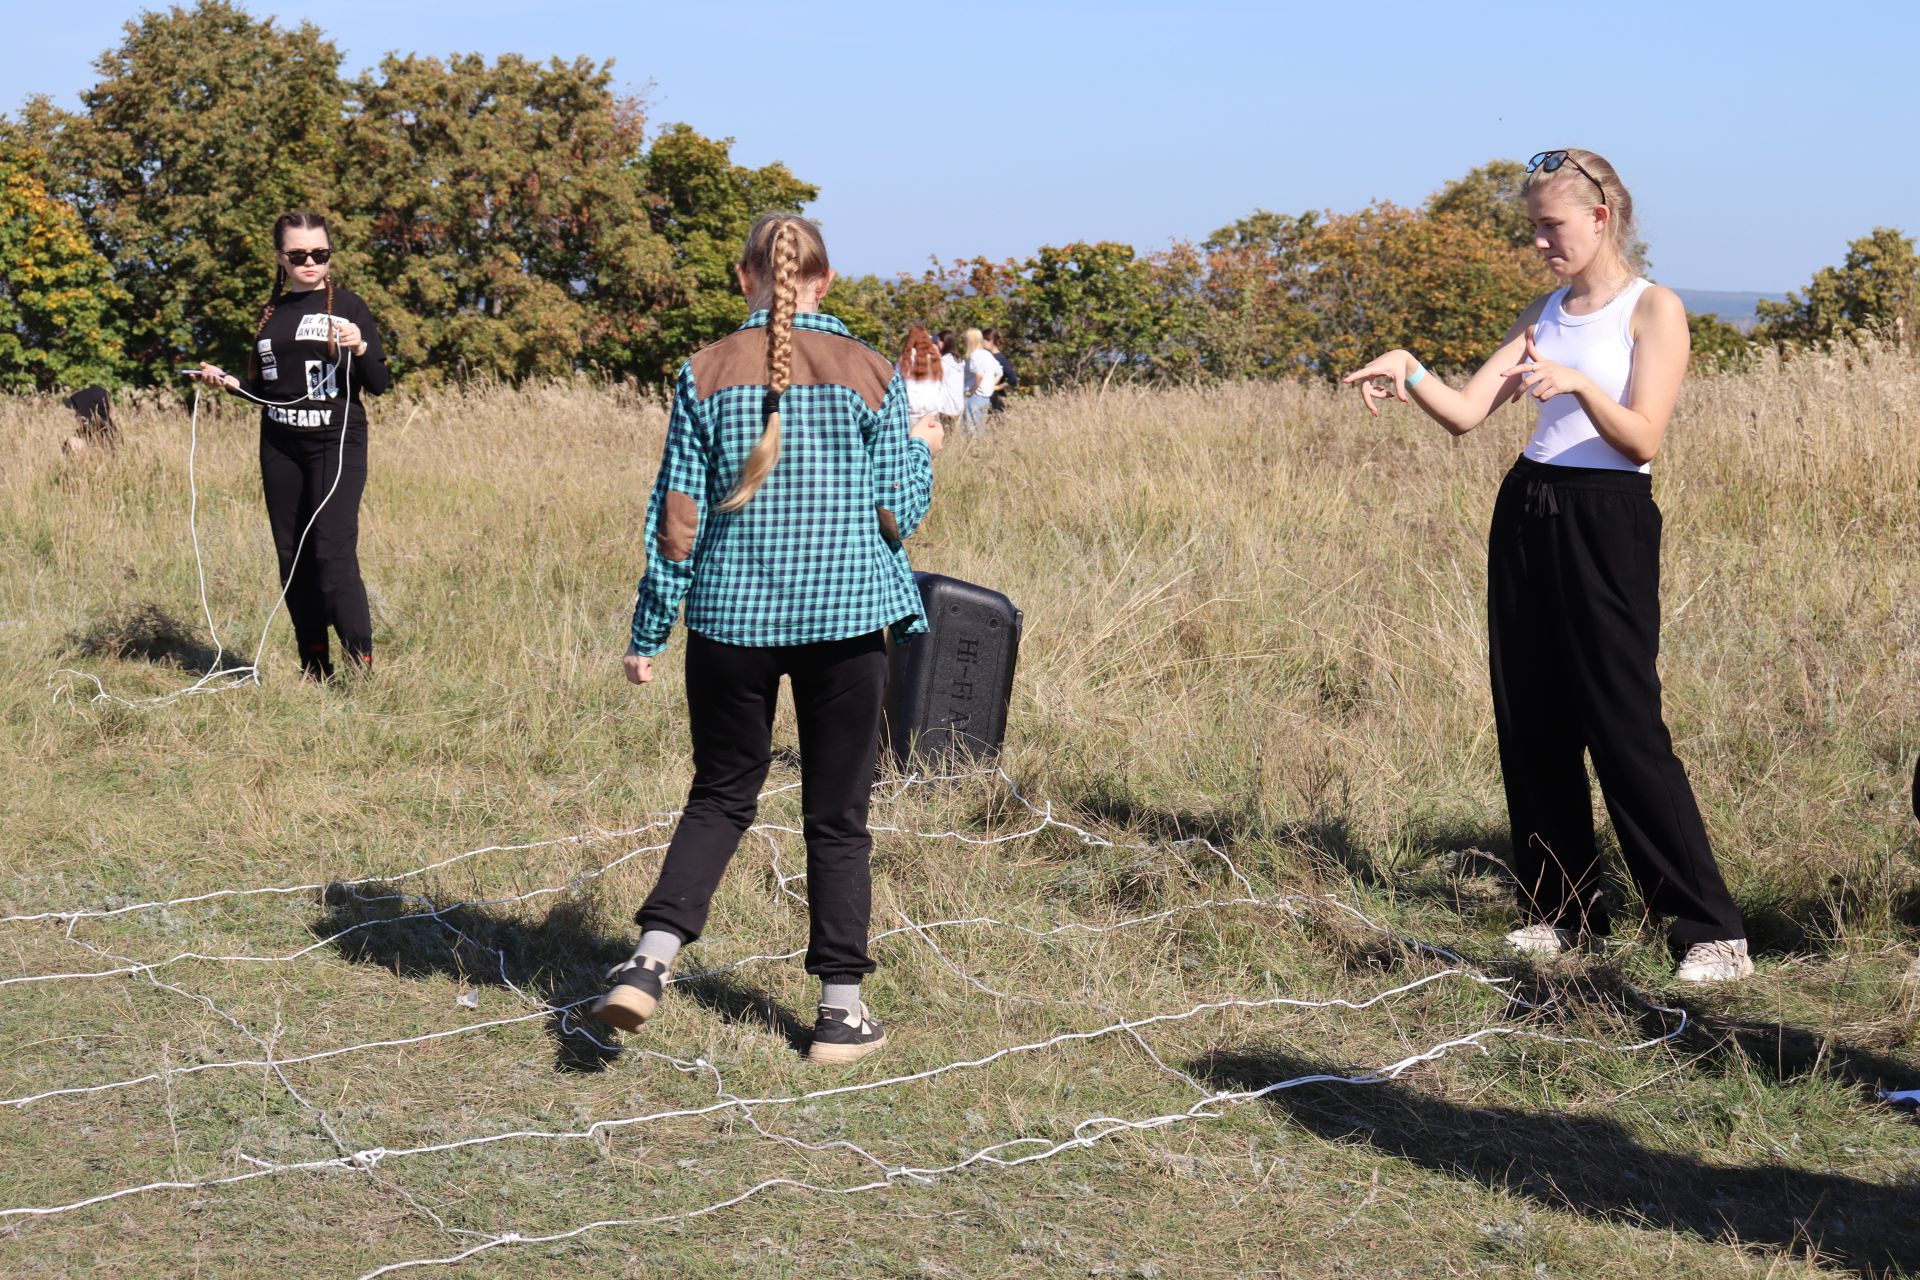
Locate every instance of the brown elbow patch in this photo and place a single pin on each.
(889, 526)
(678, 524)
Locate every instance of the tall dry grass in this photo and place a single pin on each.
(1252, 613)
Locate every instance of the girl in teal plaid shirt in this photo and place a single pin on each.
(792, 477)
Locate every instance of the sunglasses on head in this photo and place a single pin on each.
(1551, 162)
(298, 257)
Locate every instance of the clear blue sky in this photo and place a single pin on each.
(1758, 138)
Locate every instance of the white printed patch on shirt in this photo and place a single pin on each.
(268, 369)
(320, 381)
(314, 328)
(300, 417)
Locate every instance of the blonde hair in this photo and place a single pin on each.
(974, 340)
(1598, 178)
(782, 250)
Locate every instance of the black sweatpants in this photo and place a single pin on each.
(838, 687)
(297, 468)
(1573, 604)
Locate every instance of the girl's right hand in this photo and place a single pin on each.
(214, 376)
(1392, 367)
(930, 430)
(639, 670)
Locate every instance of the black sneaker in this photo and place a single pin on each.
(637, 987)
(840, 1035)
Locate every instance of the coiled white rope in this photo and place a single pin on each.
(225, 677)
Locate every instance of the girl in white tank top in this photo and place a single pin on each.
(1573, 579)
(1600, 346)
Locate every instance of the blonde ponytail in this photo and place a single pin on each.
(774, 249)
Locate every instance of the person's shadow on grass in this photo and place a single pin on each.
(1591, 1165)
(560, 960)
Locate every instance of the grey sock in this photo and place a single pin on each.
(659, 944)
(841, 995)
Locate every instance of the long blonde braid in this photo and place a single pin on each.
(784, 255)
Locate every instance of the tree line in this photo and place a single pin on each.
(518, 219)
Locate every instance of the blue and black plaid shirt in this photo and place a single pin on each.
(816, 554)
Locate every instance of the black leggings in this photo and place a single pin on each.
(1573, 604)
(297, 468)
(838, 687)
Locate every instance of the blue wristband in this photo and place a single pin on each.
(1413, 379)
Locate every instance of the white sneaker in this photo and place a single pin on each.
(1716, 962)
(1541, 940)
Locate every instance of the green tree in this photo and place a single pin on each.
(1488, 198)
(967, 294)
(701, 205)
(1876, 290)
(205, 125)
(1256, 288)
(497, 221)
(61, 315)
(1440, 287)
(1094, 312)
(1716, 344)
(868, 306)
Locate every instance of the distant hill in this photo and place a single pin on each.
(1738, 309)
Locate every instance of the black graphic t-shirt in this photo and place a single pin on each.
(295, 373)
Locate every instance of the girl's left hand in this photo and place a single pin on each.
(347, 334)
(1546, 379)
(639, 669)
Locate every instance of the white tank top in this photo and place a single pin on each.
(1601, 346)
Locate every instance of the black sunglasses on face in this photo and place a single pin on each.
(1551, 162)
(298, 257)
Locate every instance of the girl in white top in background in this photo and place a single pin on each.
(983, 375)
(955, 374)
(920, 368)
(1573, 577)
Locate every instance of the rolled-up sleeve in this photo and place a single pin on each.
(902, 465)
(676, 515)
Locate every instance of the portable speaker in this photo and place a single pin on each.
(949, 689)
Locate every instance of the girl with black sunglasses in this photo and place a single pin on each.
(316, 350)
(1573, 577)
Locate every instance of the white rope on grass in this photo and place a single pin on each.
(1288, 902)
(373, 1159)
(369, 1157)
(759, 828)
(1086, 1133)
(223, 678)
(319, 1115)
(694, 977)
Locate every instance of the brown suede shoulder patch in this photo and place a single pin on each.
(679, 522)
(819, 359)
(737, 360)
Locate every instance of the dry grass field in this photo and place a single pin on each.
(1264, 848)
